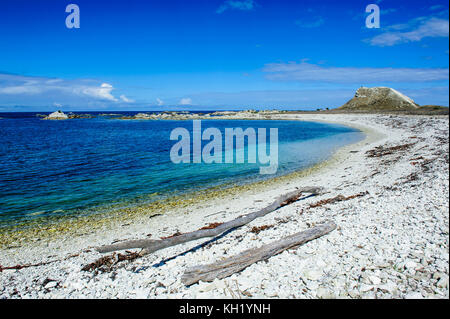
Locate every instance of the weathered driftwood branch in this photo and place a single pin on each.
(151, 245)
(229, 266)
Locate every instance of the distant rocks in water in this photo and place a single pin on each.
(223, 113)
(58, 115)
(186, 115)
(253, 114)
(169, 115)
(110, 114)
(379, 98)
(79, 116)
(144, 116)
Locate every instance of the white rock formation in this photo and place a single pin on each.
(379, 98)
(58, 115)
(143, 116)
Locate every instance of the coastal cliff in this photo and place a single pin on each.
(379, 98)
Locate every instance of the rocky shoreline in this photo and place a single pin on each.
(392, 240)
(240, 115)
(166, 115)
(184, 115)
(59, 115)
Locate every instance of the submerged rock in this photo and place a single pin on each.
(79, 116)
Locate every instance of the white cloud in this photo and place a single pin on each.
(20, 89)
(244, 5)
(103, 92)
(185, 101)
(419, 28)
(53, 81)
(436, 7)
(160, 102)
(23, 89)
(125, 99)
(305, 72)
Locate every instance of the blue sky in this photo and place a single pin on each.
(218, 54)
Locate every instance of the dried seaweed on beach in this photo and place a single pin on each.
(380, 151)
(443, 140)
(258, 229)
(106, 263)
(338, 198)
(18, 267)
(411, 177)
(211, 226)
(425, 163)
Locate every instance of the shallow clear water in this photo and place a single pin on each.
(72, 166)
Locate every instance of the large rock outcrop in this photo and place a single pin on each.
(58, 115)
(379, 98)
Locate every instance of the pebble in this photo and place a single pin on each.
(375, 280)
(414, 295)
(324, 293)
(51, 284)
(313, 275)
(443, 282)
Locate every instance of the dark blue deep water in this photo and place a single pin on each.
(79, 165)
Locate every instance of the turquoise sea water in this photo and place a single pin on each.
(84, 165)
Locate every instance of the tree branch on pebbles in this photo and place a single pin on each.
(229, 266)
(18, 267)
(214, 229)
(338, 198)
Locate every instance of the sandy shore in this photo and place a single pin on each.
(390, 243)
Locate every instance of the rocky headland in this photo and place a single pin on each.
(379, 98)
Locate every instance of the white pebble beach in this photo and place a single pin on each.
(392, 242)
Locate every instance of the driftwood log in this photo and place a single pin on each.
(229, 266)
(152, 245)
